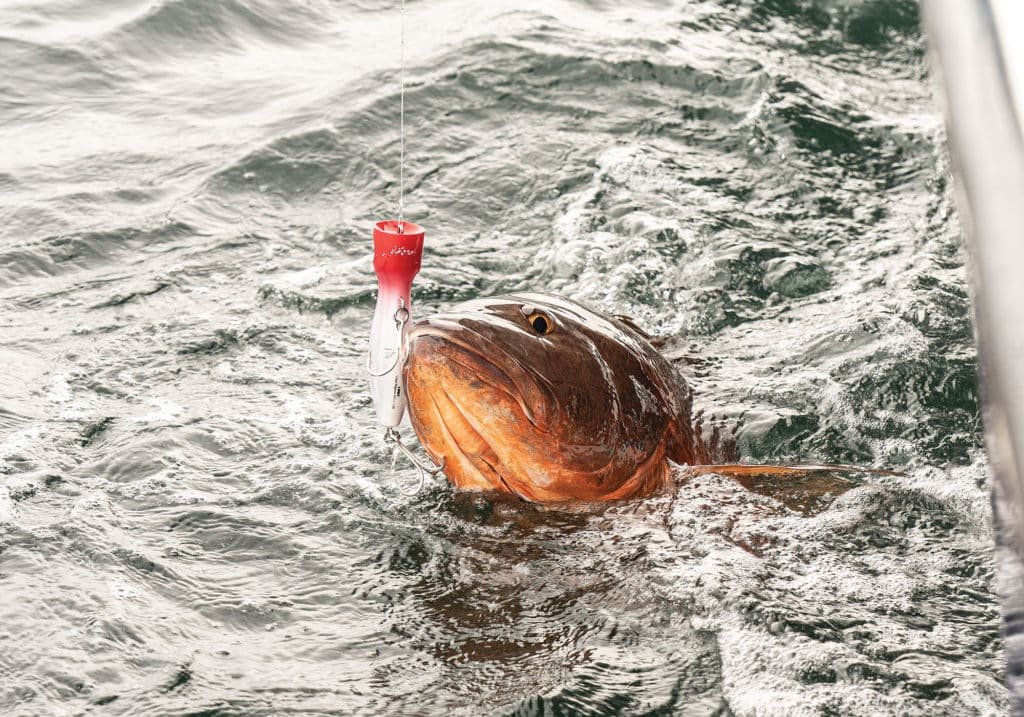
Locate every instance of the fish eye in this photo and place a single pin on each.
(540, 323)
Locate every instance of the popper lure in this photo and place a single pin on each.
(397, 253)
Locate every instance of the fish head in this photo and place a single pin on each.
(540, 397)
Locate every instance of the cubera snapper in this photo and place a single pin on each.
(546, 399)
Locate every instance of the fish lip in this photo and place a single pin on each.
(428, 330)
(506, 384)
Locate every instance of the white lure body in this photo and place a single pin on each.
(387, 341)
(397, 249)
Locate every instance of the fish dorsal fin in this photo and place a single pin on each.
(630, 323)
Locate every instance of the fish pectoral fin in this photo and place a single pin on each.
(786, 471)
(807, 489)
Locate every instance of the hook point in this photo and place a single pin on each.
(422, 470)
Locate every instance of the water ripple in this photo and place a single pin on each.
(197, 514)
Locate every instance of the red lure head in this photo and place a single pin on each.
(397, 250)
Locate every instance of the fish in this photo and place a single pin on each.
(546, 399)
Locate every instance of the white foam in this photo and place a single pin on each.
(757, 576)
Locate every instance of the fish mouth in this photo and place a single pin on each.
(487, 457)
(447, 400)
(528, 390)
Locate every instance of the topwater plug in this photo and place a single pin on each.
(397, 251)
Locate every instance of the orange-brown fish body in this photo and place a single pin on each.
(546, 399)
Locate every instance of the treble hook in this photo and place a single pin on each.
(392, 436)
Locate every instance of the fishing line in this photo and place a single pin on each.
(401, 117)
(397, 251)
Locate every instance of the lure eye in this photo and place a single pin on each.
(540, 323)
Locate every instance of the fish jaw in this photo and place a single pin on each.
(495, 448)
(439, 375)
(439, 344)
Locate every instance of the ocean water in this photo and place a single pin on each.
(197, 512)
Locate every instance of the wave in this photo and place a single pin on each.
(175, 28)
(33, 70)
(59, 254)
